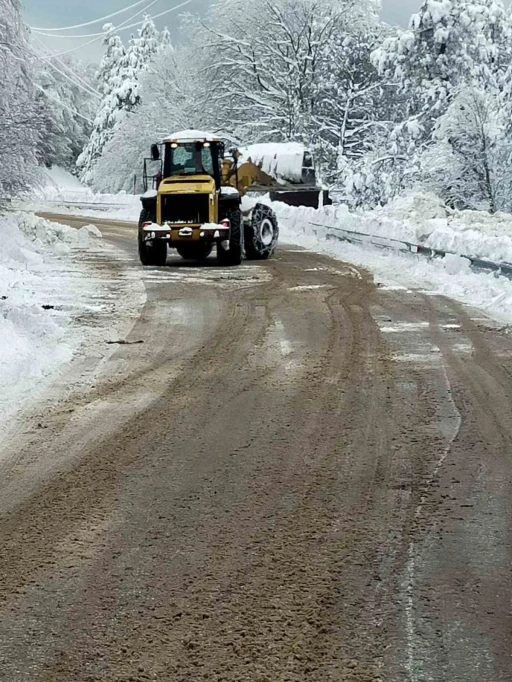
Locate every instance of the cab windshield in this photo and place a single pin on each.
(189, 159)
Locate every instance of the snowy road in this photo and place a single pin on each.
(285, 474)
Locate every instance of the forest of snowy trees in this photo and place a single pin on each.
(383, 109)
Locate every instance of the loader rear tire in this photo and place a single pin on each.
(261, 233)
(234, 255)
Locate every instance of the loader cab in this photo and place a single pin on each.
(189, 158)
(192, 158)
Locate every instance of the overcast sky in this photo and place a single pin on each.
(56, 13)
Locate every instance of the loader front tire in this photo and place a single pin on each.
(235, 253)
(146, 216)
(152, 252)
(261, 233)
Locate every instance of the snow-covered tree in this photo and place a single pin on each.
(109, 65)
(354, 105)
(66, 100)
(363, 97)
(263, 59)
(277, 65)
(449, 44)
(109, 109)
(165, 39)
(171, 101)
(470, 164)
(119, 74)
(143, 48)
(313, 81)
(19, 114)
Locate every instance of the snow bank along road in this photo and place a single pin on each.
(285, 474)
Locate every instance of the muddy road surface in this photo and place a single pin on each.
(286, 474)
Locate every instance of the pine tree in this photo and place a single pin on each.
(165, 39)
(171, 101)
(141, 50)
(120, 72)
(109, 65)
(147, 44)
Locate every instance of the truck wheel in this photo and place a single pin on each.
(199, 251)
(233, 255)
(152, 253)
(261, 233)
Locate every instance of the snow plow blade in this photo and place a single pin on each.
(294, 195)
(301, 196)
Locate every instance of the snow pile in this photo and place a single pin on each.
(60, 238)
(34, 336)
(419, 219)
(281, 160)
(427, 222)
(472, 233)
(191, 136)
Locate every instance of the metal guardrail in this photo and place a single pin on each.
(84, 204)
(353, 237)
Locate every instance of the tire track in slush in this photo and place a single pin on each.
(449, 428)
(284, 535)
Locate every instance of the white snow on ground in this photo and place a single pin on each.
(419, 218)
(60, 191)
(124, 207)
(33, 339)
(51, 304)
(422, 219)
(470, 233)
(60, 180)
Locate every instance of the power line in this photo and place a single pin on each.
(78, 83)
(95, 40)
(121, 27)
(102, 33)
(118, 28)
(77, 80)
(64, 106)
(167, 11)
(89, 23)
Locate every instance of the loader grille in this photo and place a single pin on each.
(185, 208)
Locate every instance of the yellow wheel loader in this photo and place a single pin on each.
(194, 204)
